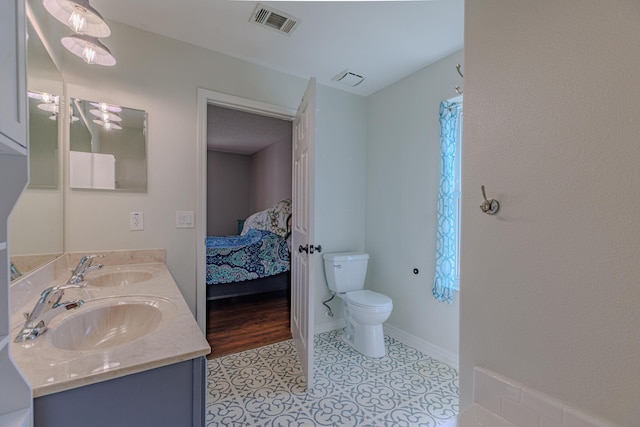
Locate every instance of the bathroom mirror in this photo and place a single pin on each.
(36, 222)
(108, 147)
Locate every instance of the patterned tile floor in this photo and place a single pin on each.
(264, 387)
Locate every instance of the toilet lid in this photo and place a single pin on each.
(366, 298)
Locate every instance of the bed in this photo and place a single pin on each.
(256, 261)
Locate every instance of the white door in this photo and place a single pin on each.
(304, 133)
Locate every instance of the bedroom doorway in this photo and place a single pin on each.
(233, 319)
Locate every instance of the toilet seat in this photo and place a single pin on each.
(369, 300)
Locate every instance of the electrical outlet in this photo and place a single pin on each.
(136, 221)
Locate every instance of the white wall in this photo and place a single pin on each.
(403, 170)
(550, 285)
(341, 143)
(270, 175)
(228, 188)
(160, 76)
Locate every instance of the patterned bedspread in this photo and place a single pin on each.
(258, 253)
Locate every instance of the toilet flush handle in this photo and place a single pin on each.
(304, 248)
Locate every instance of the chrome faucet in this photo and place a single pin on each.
(84, 267)
(15, 273)
(47, 307)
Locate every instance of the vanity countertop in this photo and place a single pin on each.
(174, 337)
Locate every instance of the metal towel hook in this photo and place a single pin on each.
(490, 207)
(457, 88)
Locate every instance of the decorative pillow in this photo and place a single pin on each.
(273, 219)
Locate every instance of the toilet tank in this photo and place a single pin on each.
(345, 271)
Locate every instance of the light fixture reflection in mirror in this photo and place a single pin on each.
(108, 147)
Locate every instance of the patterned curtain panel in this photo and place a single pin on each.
(446, 275)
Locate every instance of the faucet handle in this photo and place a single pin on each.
(69, 286)
(88, 260)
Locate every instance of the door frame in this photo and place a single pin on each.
(209, 97)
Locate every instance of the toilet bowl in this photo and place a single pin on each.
(365, 310)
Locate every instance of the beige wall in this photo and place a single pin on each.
(271, 175)
(228, 188)
(550, 285)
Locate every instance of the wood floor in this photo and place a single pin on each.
(243, 323)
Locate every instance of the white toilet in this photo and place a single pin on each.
(365, 311)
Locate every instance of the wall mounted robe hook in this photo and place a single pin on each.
(457, 88)
(490, 207)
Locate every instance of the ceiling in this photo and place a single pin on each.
(239, 132)
(383, 41)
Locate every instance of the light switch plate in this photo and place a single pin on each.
(184, 219)
(136, 221)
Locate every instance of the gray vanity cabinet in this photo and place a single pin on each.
(13, 78)
(172, 396)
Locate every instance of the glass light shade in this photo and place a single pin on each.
(43, 96)
(90, 49)
(103, 106)
(106, 116)
(107, 125)
(50, 107)
(78, 15)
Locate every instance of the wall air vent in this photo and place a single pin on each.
(274, 19)
(348, 78)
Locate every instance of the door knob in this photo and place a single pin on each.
(312, 248)
(304, 248)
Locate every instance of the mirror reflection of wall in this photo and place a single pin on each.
(36, 222)
(43, 139)
(108, 147)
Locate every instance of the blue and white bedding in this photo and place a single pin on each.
(255, 254)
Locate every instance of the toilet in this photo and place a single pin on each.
(365, 310)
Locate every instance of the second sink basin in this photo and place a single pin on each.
(116, 277)
(108, 325)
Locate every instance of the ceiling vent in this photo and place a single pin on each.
(274, 19)
(348, 78)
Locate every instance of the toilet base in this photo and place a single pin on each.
(366, 339)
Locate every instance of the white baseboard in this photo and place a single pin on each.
(424, 346)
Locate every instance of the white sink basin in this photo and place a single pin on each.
(119, 277)
(110, 324)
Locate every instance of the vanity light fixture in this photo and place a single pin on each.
(46, 98)
(103, 106)
(50, 107)
(90, 49)
(48, 102)
(107, 125)
(106, 116)
(78, 15)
